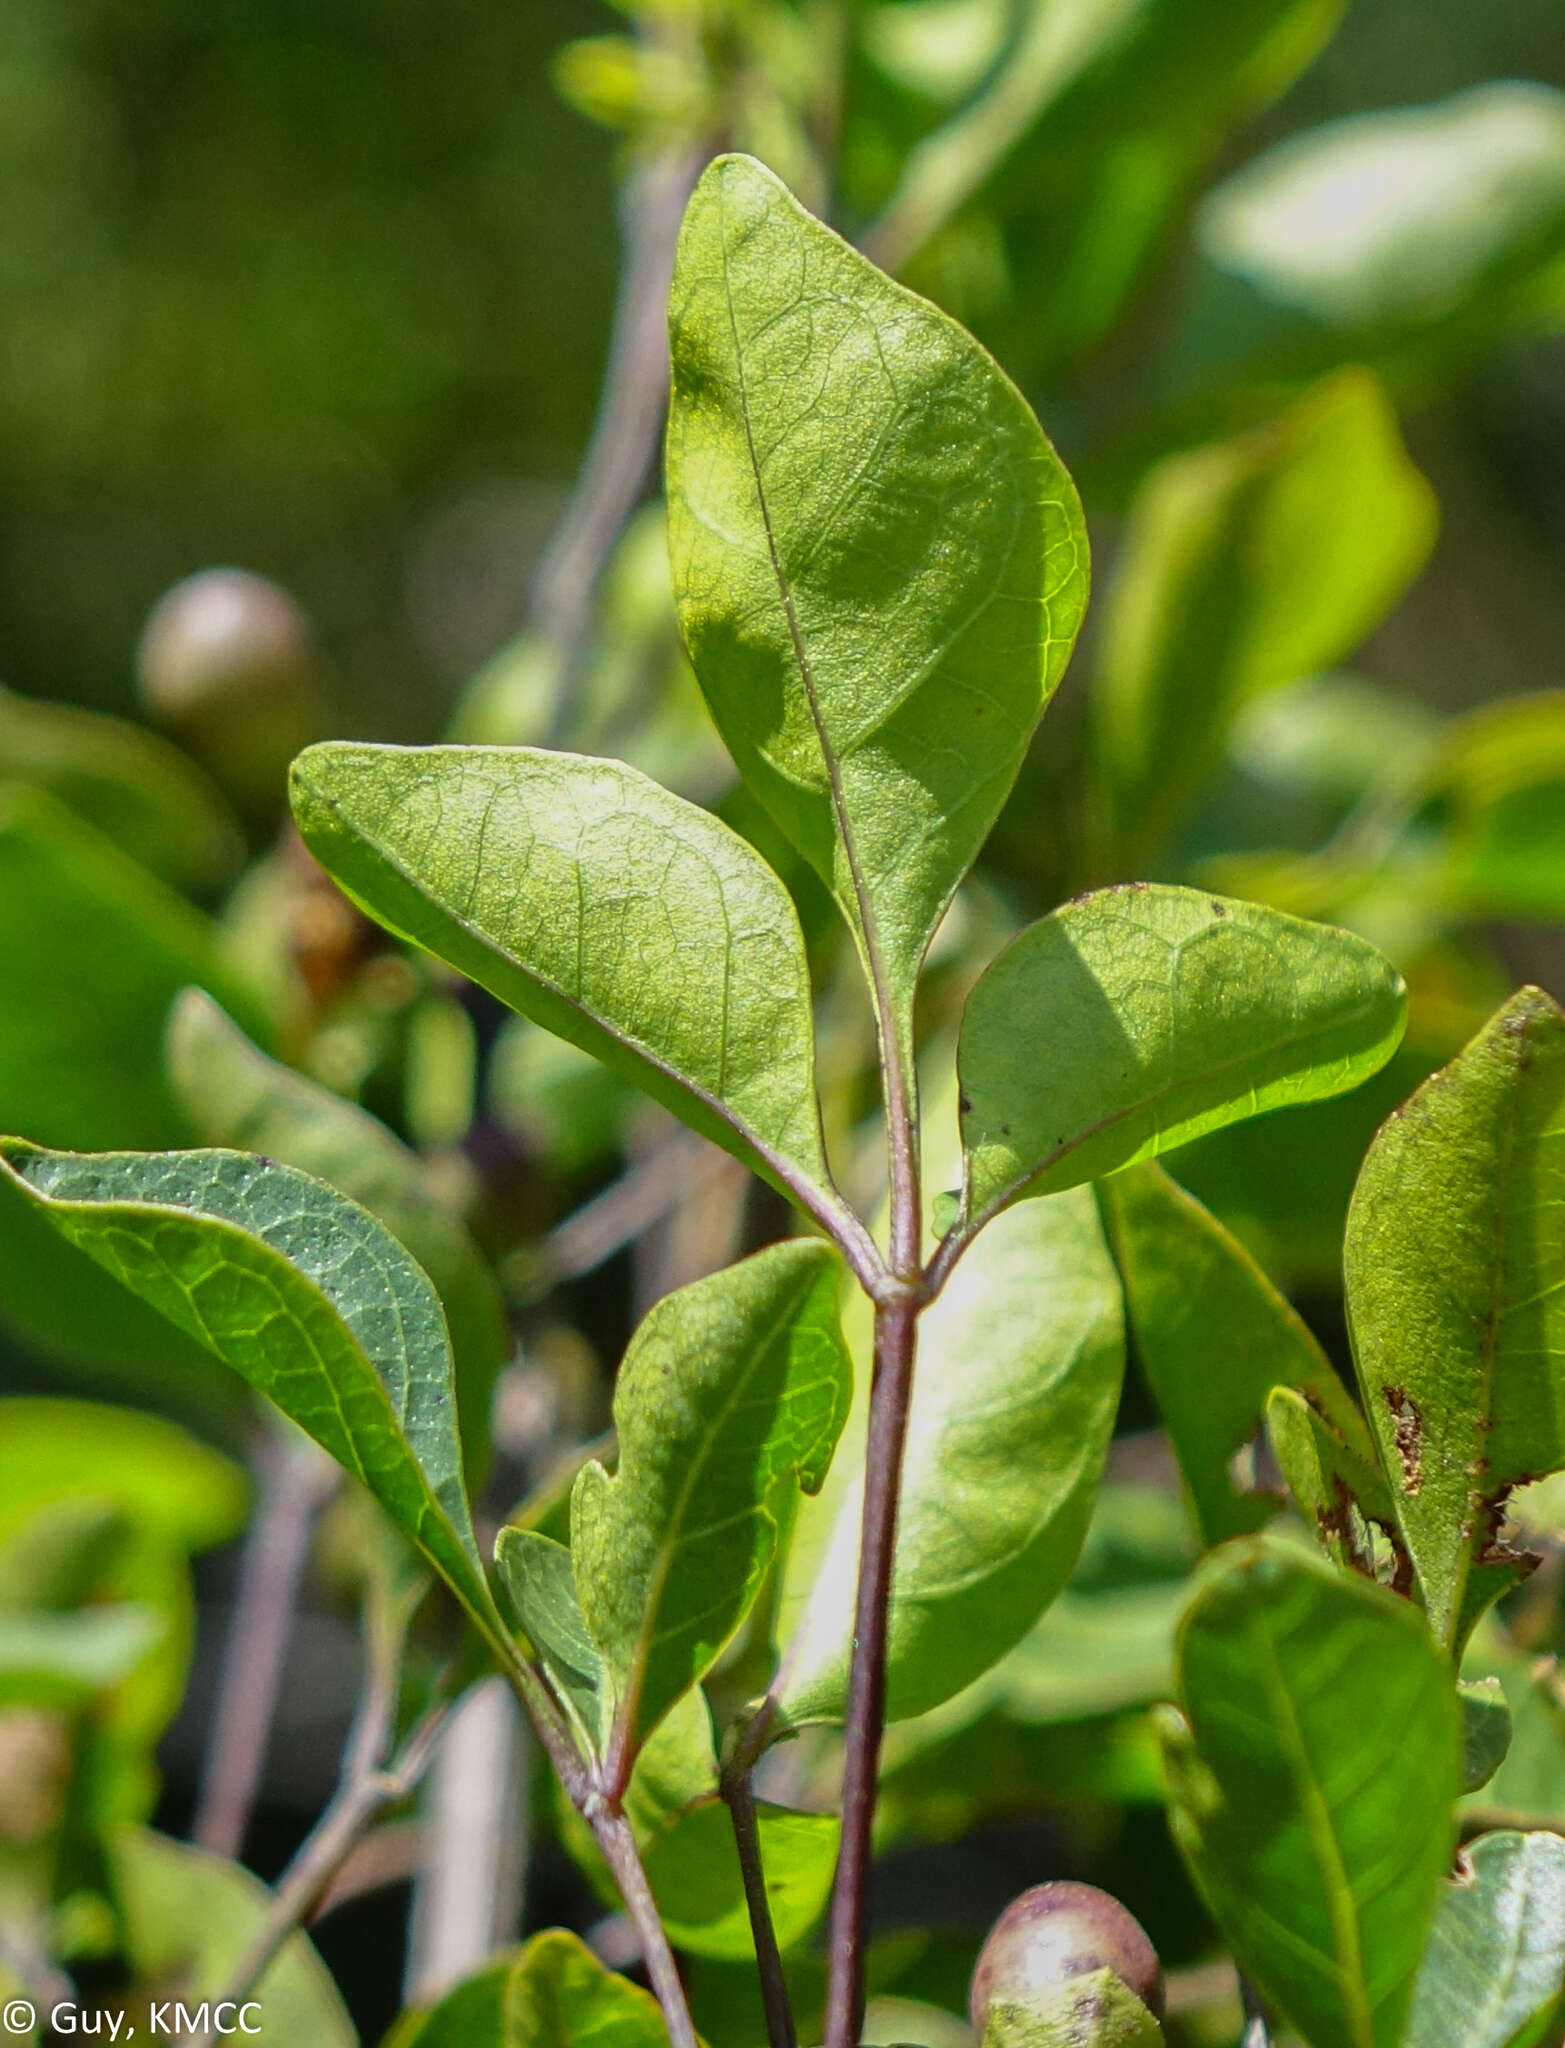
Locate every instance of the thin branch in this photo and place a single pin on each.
(294, 1480)
(1257, 2029)
(739, 1796)
(642, 1196)
(618, 1844)
(630, 412)
(896, 1336)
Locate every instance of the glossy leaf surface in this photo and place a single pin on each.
(1310, 1784)
(1166, 1013)
(732, 1389)
(1018, 1378)
(879, 560)
(554, 1993)
(237, 1097)
(305, 1295)
(1455, 1262)
(595, 902)
(1214, 1337)
(1493, 1974)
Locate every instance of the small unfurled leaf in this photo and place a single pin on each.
(542, 1588)
(620, 916)
(306, 1296)
(236, 1096)
(95, 950)
(1486, 1730)
(880, 562)
(1310, 1784)
(1091, 2011)
(1248, 564)
(1019, 1367)
(1455, 1263)
(190, 1918)
(1339, 1491)
(554, 1993)
(732, 1389)
(145, 795)
(1493, 1973)
(1214, 1337)
(1137, 1018)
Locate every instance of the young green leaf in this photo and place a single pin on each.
(1020, 1363)
(1248, 564)
(1166, 1013)
(306, 1296)
(554, 1993)
(1493, 1973)
(1310, 1784)
(1214, 1337)
(623, 918)
(541, 1585)
(879, 561)
(731, 1389)
(235, 1096)
(1338, 1490)
(1486, 1730)
(1455, 1263)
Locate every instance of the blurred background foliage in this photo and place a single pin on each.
(327, 291)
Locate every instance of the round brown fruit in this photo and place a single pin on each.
(1055, 1932)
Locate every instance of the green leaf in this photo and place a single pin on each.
(731, 1390)
(541, 1585)
(1167, 1013)
(95, 950)
(879, 561)
(693, 1869)
(151, 800)
(237, 1097)
(554, 1993)
(1214, 1337)
(1310, 1784)
(1096, 2010)
(1493, 1972)
(1248, 564)
(64, 1660)
(1486, 1730)
(1339, 1492)
(618, 915)
(1019, 1368)
(189, 1917)
(1455, 1264)
(306, 1296)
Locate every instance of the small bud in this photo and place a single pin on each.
(1054, 1933)
(228, 663)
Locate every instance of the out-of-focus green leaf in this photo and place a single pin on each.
(1455, 1264)
(1310, 1782)
(618, 915)
(166, 1483)
(1214, 1337)
(1247, 564)
(1493, 1973)
(693, 1869)
(554, 1993)
(95, 950)
(880, 563)
(1414, 218)
(235, 1096)
(149, 798)
(63, 1660)
(1496, 779)
(1167, 1013)
(1486, 1730)
(188, 1919)
(307, 1297)
(732, 1389)
(1014, 1397)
